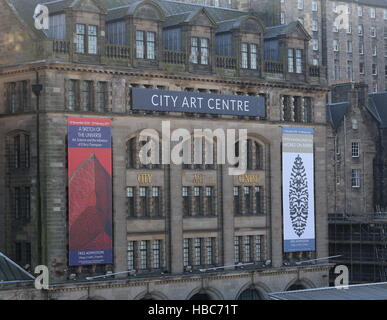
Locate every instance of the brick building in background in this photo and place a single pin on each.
(172, 229)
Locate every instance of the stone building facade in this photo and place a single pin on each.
(180, 225)
(348, 37)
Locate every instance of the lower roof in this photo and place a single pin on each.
(369, 291)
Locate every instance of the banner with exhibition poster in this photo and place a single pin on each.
(298, 189)
(90, 191)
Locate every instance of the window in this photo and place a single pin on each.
(143, 255)
(197, 251)
(283, 20)
(199, 50)
(92, 39)
(373, 13)
(198, 201)
(314, 6)
(80, 38)
(307, 110)
(258, 248)
(349, 29)
(349, 69)
(290, 61)
(360, 29)
(374, 50)
(145, 45)
(236, 201)
(300, 4)
(373, 32)
(287, 108)
(249, 56)
(247, 200)
(337, 70)
(102, 96)
(116, 33)
(315, 44)
(156, 202)
(258, 201)
(335, 28)
(314, 25)
(156, 254)
(186, 252)
(247, 249)
(360, 11)
(315, 62)
(87, 95)
(17, 96)
(11, 97)
(72, 94)
(144, 201)
(298, 61)
(334, 6)
(349, 46)
(355, 150)
(19, 147)
(361, 67)
(361, 48)
(335, 45)
(22, 203)
(57, 27)
(210, 201)
(130, 201)
(385, 14)
(186, 202)
(209, 251)
(237, 251)
(355, 178)
(374, 69)
(131, 255)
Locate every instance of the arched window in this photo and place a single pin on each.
(250, 294)
(18, 147)
(296, 286)
(254, 156)
(133, 148)
(201, 297)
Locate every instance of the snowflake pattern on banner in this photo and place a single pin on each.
(298, 197)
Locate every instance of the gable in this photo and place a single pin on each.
(147, 11)
(251, 25)
(201, 19)
(87, 6)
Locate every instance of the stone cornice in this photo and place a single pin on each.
(122, 283)
(154, 74)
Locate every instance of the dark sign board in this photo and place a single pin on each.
(197, 102)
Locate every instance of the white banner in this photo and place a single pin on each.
(298, 189)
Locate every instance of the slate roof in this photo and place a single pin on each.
(10, 272)
(283, 30)
(336, 112)
(369, 291)
(378, 107)
(370, 3)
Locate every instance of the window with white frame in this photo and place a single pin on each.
(355, 149)
(314, 25)
(355, 178)
(199, 50)
(361, 48)
(360, 29)
(349, 29)
(349, 46)
(373, 13)
(373, 32)
(314, 6)
(375, 50)
(385, 14)
(315, 44)
(334, 6)
(283, 21)
(374, 69)
(361, 67)
(300, 4)
(335, 45)
(360, 11)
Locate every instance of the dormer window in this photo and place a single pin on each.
(86, 39)
(199, 50)
(295, 60)
(57, 29)
(145, 45)
(249, 56)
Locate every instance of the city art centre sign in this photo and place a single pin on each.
(197, 102)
